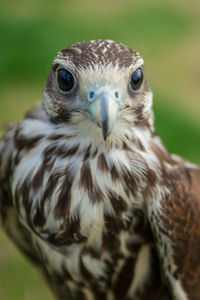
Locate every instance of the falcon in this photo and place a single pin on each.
(88, 191)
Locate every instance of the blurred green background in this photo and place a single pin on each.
(167, 35)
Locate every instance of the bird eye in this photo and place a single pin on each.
(65, 80)
(136, 79)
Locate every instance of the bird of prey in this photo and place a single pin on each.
(89, 192)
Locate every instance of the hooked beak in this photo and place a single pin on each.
(104, 112)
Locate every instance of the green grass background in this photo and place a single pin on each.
(167, 35)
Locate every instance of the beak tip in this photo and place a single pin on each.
(105, 129)
(105, 137)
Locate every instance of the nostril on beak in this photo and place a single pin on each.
(116, 94)
(91, 96)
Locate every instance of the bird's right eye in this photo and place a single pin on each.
(65, 80)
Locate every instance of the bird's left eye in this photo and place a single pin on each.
(65, 80)
(136, 79)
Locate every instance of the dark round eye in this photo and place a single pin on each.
(136, 79)
(65, 80)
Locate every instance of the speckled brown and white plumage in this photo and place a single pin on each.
(103, 219)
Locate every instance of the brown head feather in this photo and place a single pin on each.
(103, 52)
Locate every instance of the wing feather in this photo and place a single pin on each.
(175, 222)
(8, 213)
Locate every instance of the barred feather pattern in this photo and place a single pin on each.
(84, 207)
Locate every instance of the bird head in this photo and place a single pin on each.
(100, 82)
